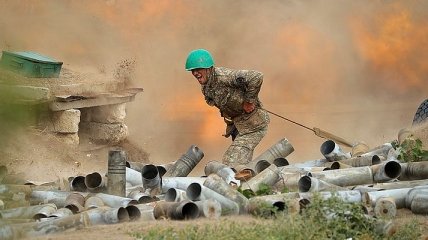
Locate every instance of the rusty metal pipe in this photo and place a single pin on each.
(137, 166)
(60, 213)
(351, 196)
(163, 168)
(180, 182)
(261, 165)
(381, 151)
(93, 202)
(176, 210)
(114, 201)
(338, 165)
(281, 162)
(269, 176)
(315, 169)
(140, 196)
(109, 215)
(281, 149)
(175, 195)
(413, 192)
(133, 177)
(77, 221)
(333, 152)
(27, 212)
(362, 161)
(194, 192)
(185, 210)
(75, 202)
(186, 163)
(419, 203)
(78, 184)
(222, 170)
(95, 182)
(44, 212)
(400, 184)
(347, 176)
(288, 181)
(116, 173)
(386, 171)
(197, 192)
(399, 195)
(414, 171)
(56, 197)
(209, 208)
(310, 184)
(311, 163)
(133, 212)
(146, 211)
(385, 208)
(151, 179)
(217, 184)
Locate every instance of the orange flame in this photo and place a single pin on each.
(393, 44)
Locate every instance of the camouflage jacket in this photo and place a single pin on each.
(228, 89)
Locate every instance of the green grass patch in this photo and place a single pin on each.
(322, 219)
(410, 150)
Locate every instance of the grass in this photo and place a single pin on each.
(410, 150)
(322, 219)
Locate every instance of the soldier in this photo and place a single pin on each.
(235, 94)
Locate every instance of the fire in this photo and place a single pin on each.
(393, 44)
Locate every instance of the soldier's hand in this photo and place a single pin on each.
(231, 130)
(248, 107)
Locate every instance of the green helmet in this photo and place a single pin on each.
(199, 58)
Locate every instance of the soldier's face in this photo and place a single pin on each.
(201, 74)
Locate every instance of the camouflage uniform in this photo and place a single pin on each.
(227, 89)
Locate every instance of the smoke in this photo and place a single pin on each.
(355, 68)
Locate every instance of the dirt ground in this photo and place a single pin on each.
(123, 231)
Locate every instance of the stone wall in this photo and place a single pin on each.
(101, 124)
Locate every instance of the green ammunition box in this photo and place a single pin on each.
(31, 64)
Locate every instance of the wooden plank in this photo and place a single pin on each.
(69, 102)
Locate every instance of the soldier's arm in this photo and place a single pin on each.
(251, 81)
(209, 101)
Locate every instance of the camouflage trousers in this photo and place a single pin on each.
(240, 152)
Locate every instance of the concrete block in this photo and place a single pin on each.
(114, 113)
(104, 133)
(64, 121)
(68, 138)
(85, 114)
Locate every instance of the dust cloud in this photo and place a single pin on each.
(354, 68)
